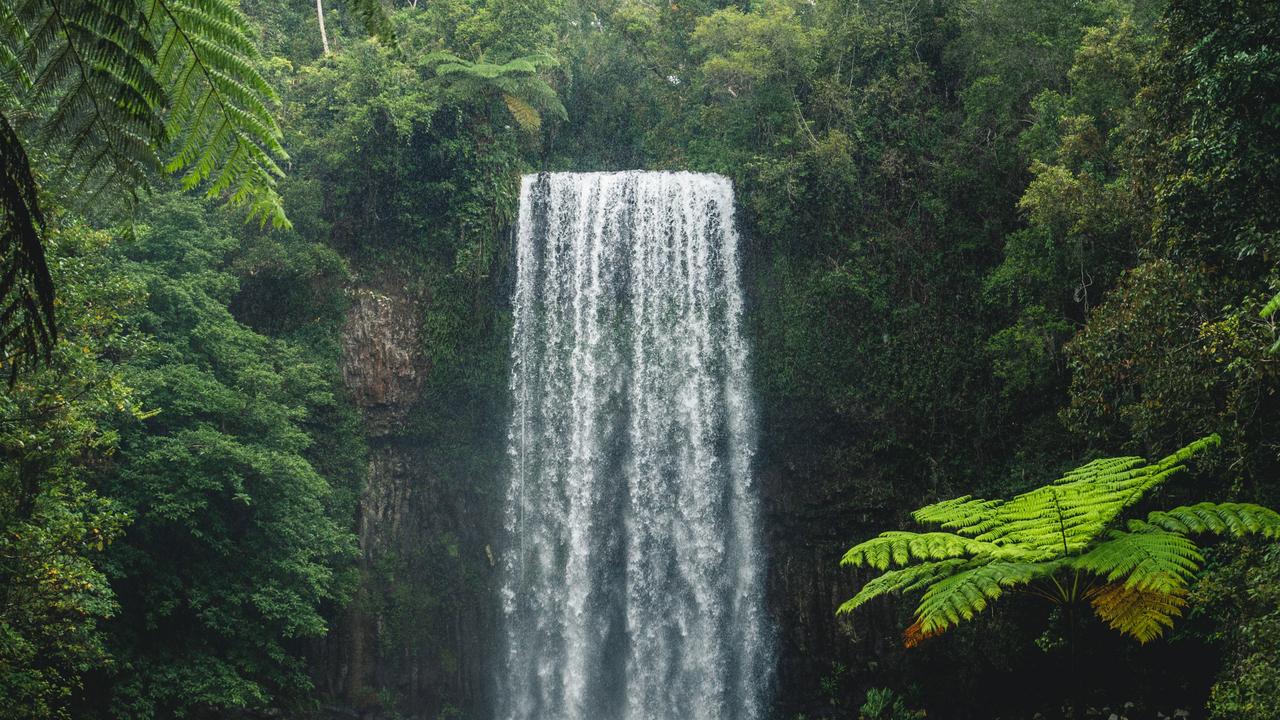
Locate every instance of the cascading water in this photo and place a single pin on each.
(632, 584)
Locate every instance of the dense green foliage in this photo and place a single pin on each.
(59, 424)
(219, 477)
(985, 242)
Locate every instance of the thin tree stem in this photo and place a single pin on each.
(324, 36)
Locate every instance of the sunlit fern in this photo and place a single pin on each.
(1269, 310)
(1066, 542)
(108, 93)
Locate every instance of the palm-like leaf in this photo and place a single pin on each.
(1135, 575)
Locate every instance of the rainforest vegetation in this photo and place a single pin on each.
(255, 279)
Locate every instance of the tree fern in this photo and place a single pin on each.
(114, 91)
(1063, 542)
(526, 95)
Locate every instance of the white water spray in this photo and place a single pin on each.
(632, 586)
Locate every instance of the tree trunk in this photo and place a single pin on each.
(324, 36)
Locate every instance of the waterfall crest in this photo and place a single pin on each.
(632, 579)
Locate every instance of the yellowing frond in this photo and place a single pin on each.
(525, 116)
(1141, 614)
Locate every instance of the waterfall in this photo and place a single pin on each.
(632, 577)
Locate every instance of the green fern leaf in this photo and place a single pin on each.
(1145, 559)
(92, 67)
(1234, 519)
(226, 137)
(27, 329)
(961, 596)
(902, 548)
(903, 581)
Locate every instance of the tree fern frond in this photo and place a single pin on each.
(1102, 466)
(961, 596)
(1195, 448)
(525, 115)
(26, 290)
(903, 548)
(92, 68)
(1141, 614)
(1064, 517)
(902, 581)
(965, 515)
(226, 137)
(14, 79)
(1219, 518)
(1146, 559)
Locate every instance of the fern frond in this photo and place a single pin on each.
(1234, 519)
(902, 581)
(1141, 614)
(1104, 467)
(903, 548)
(14, 79)
(965, 515)
(1146, 559)
(92, 68)
(1191, 450)
(27, 329)
(226, 137)
(1064, 517)
(961, 596)
(524, 114)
